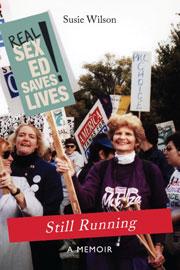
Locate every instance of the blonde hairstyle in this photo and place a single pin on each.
(40, 143)
(129, 120)
(4, 145)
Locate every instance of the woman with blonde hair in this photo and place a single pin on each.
(44, 181)
(106, 187)
(16, 200)
(40, 149)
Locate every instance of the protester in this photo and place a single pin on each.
(125, 177)
(149, 151)
(172, 154)
(20, 201)
(45, 182)
(77, 163)
(75, 157)
(101, 148)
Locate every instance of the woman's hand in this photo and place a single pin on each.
(64, 165)
(159, 260)
(6, 182)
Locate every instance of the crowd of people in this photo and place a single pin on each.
(123, 165)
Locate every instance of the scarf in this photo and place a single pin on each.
(125, 159)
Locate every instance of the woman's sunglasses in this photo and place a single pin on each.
(6, 154)
(69, 145)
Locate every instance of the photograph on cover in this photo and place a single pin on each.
(89, 135)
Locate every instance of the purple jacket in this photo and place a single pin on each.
(104, 187)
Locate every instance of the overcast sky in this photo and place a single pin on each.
(140, 25)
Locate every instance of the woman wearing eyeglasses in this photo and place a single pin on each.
(46, 184)
(172, 154)
(124, 177)
(16, 200)
(73, 154)
(77, 162)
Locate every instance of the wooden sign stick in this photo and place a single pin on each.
(145, 239)
(139, 236)
(60, 153)
(149, 240)
(147, 236)
(4, 190)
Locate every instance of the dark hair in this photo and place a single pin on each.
(48, 154)
(54, 154)
(4, 145)
(103, 139)
(100, 142)
(151, 133)
(175, 138)
(70, 140)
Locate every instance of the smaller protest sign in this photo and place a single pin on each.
(93, 124)
(165, 129)
(123, 104)
(10, 90)
(141, 81)
(120, 104)
(115, 102)
(70, 121)
(61, 123)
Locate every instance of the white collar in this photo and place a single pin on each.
(125, 159)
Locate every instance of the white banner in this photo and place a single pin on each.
(61, 123)
(70, 121)
(10, 91)
(141, 81)
(115, 99)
